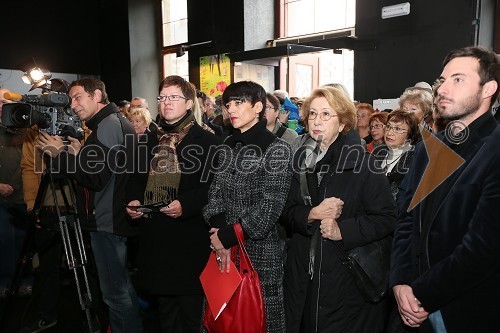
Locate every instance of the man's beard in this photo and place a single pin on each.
(459, 110)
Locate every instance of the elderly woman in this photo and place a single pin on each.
(338, 201)
(418, 102)
(273, 124)
(251, 190)
(401, 133)
(173, 242)
(377, 131)
(363, 114)
(140, 119)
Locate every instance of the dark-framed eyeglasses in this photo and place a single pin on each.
(396, 129)
(172, 98)
(323, 115)
(270, 107)
(377, 126)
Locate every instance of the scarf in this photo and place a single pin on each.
(165, 174)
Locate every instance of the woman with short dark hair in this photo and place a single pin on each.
(401, 134)
(251, 190)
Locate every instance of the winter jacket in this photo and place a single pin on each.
(320, 294)
(102, 169)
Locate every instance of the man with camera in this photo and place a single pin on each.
(101, 167)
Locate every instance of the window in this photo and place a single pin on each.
(308, 71)
(312, 16)
(175, 33)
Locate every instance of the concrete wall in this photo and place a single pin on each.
(145, 50)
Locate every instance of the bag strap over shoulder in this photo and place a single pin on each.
(245, 262)
(280, 131)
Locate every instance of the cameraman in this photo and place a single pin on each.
(102, 168)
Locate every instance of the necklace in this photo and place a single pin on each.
(387, 165)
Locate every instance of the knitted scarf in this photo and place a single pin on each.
(165, 174)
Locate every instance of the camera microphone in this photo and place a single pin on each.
(12, 96)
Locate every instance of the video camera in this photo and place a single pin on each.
(50, 111)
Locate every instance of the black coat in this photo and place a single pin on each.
(331, 299)
(174, 251)
(461, 248)
(399, 171)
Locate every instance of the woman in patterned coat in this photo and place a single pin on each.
(251, 188)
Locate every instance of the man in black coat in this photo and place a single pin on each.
(446, 250)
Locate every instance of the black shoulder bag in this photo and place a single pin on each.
(369, 264)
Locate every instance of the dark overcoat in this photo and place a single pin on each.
(459, 253)
(251, 188)
(174, 251)
(329, 300)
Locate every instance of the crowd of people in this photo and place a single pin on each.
(306, 192)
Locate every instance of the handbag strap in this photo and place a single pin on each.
(245, 262)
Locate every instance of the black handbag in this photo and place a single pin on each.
(369, 266)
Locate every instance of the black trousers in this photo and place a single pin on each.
(180, 313)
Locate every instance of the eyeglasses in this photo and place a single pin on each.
(377, 126)
(324, 115)
(172, 98)
(396, 129)
(270, 107)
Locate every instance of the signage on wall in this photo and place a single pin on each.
(215, 74)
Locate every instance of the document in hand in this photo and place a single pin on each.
(219, 286)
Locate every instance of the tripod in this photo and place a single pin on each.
(72, 241)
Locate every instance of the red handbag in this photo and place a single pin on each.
(244, 312)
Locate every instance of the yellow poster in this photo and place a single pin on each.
(215, 74)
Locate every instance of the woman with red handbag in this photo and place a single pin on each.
(250, 188)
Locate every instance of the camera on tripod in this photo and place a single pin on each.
(50, 111)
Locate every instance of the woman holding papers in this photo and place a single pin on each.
(338, 201)
(250, 188)
(173, 238)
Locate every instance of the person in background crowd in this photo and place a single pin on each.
(401, 134)
(139, 102)
(445, 268)
(207, 111)
(347, 204)
(418, 102)
(363, 113)
(140, 119)
(377, 130)
(252, 197)
(271, 113)
(338, 86)
(178, 228)
(124, 106)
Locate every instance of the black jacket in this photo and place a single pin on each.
(102, 169)
(174, 251)
(330, 301)
(458, 253)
